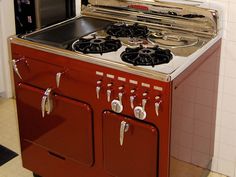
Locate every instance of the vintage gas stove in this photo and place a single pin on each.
(117, 91)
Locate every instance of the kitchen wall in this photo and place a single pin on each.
(1, 63)
(224, 160)
(7, 28)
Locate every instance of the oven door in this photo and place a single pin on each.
(130, 147)
(66, 131)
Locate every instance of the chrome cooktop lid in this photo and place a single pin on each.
(159, 14)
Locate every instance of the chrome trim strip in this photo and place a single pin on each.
(94, 60)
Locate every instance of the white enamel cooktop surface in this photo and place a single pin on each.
(173, 68)
(163, 68)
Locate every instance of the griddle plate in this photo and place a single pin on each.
(64, 34)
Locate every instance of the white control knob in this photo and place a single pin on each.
(116, 106)
(140, 113)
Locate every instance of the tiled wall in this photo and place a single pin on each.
(225, 141)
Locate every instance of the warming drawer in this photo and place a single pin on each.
(66, 131)
(47, 164)
(130, 147)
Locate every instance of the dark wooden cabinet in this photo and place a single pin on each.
(137, 156)
(66, 132)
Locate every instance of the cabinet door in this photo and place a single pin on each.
(138, 155)
(67, 131)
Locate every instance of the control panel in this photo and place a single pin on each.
(128, 94)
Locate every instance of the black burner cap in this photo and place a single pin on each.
(124, 30)
(146, 56)
(96, 45)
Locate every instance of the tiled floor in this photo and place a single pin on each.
(9, 138)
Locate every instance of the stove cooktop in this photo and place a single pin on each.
(135, 45)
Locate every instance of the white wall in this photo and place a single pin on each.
(7, 28)
(225, 141)
(2, 88)
(78, 7)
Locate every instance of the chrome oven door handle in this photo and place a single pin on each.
(59, 76)
(124, 127)
(47, 102)
(14, 64)
(157, 108)
(43, 105)
(58, 79)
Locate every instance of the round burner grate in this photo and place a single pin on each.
(146, 56)
(96, 45)
(168, 39)
(124, 30)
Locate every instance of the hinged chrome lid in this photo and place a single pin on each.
(155, 13)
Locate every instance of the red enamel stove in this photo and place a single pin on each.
(124, 90)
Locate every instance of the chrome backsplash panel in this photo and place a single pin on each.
(157, 13)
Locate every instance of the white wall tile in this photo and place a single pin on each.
(229, 120)
(217, 135)
(230, 31)
(227, 152)
(214, 164)
(227, 136)
(226, 167)
(229, 102)
(232, 12)
(230, 66)
(229, 50)
(230, 85)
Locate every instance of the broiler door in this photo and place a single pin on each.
(130, 147)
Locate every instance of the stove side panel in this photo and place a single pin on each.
(194, 102)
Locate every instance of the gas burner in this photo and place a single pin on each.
(96, 45)
(172, 40)
(125, 30)
(135, 42)
(146, 56)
